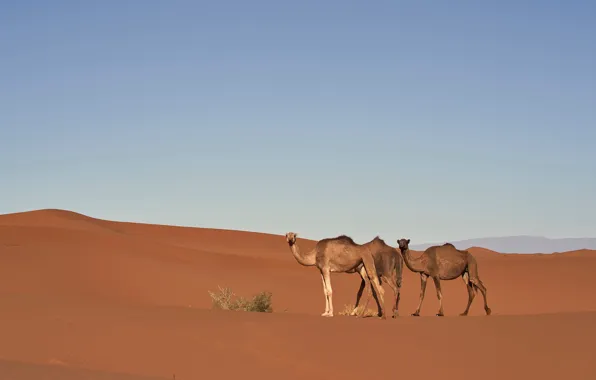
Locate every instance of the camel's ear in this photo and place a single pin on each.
(408, 241)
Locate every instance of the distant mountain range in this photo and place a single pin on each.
(520, 244)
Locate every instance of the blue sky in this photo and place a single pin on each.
(431, 120)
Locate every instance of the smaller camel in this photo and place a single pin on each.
(339, 254)
(444, 262)
(389, 265)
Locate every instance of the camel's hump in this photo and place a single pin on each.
(340, 238)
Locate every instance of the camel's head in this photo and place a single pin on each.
(404, 244)
(291, 238)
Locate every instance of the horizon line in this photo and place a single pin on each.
(270, 233)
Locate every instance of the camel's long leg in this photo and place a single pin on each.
(479, 285)
(437, 282)
(380, 309)
(378, 291)
(327, 278)
(471, 296)
(397, 298)
(476, 282)
(363, 284)
(397, 276)
(326, 296)
(471, 293)
(423, 278)
(392, 282)
(369, 291)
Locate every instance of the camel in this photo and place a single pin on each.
(444, 262)
(341, 255)
(389, 265)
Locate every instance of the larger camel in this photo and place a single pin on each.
(342, 255)
(444, 262)
(389, 265)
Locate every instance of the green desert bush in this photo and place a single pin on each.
(224, 300)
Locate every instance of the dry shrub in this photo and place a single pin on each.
(367, 312)
(223, 300)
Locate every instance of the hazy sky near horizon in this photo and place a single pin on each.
(431, 120)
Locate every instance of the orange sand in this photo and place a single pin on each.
(82, 298)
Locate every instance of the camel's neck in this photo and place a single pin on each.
(303, 259)
(413, 264)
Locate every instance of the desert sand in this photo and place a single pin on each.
(83, 298)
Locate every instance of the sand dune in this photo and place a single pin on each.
(95, 299)
(55, 370)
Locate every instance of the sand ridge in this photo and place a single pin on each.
(66, 279)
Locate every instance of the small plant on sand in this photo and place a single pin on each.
(223, 300)
(366, 313)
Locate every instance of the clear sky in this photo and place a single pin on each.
(433, 120)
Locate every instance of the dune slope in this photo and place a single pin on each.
(127, 299)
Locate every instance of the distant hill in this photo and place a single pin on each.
(520, 244)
